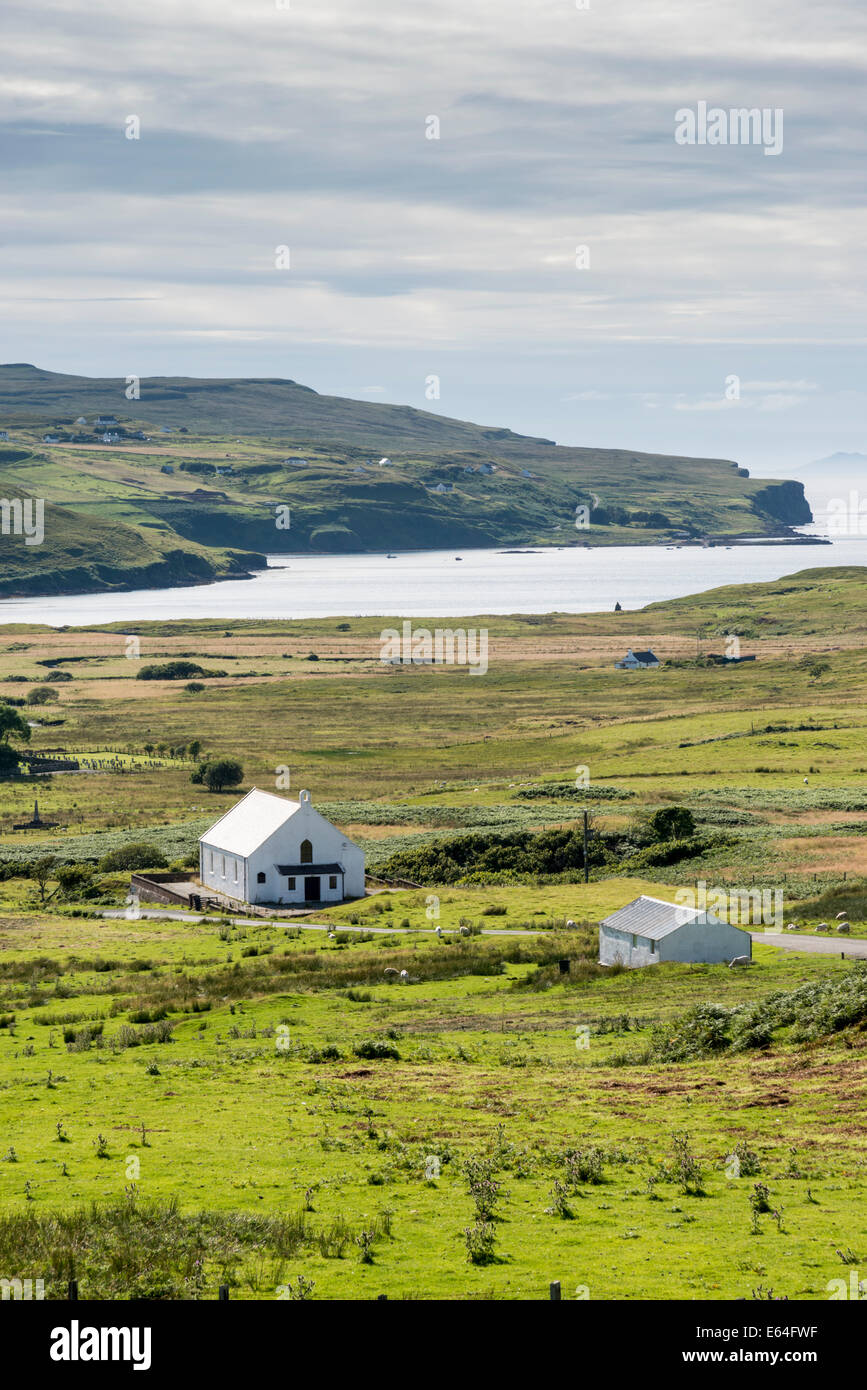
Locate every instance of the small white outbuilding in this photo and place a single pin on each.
(649, 930)
(269, 849)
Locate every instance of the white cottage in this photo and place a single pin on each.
(649, 930)
(268, 849)
(634, 661)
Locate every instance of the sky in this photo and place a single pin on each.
(477, 207)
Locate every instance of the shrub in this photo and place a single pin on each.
(376, 1051)
(42, 696)
(174, 671)
(480, 1242)
(138, 855)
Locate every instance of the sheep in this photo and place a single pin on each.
(793, 926)
(845, 928)
(390, 970)
(570, 923)
(740, 960)
(465, 931)
(439, 931)
(841, 917)
(404, 977)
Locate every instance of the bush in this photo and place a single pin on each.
(174, 671)
(138, 855)
(376, 1051)
(193, 687)
(41, 696)
(672, 823)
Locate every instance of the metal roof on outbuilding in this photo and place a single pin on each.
(651, 918)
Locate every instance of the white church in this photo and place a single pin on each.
(268, 849)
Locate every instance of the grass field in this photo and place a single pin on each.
(317, 1123)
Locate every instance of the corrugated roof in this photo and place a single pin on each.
(255, 817)
(651, 917)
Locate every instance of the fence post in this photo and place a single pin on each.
(555, 1291)
(223, 1294)
(72, 1291)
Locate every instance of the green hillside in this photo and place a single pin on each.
(80, 553)
(194, 467)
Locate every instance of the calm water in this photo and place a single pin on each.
(435, 584)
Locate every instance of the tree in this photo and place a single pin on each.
(816, 669)
(13, 725)
(195, 748)
(41, 870)
(220, 773)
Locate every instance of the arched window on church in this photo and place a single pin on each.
(306, 851)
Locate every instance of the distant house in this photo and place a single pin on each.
(634, 661)
(268, 849)
(471, 468)
(81, 420)
(443, 487)
(103, 421)
(383, 463)
(50, 439)
(487, 468)
(110, 437)
(296, 462)
(360, 469)
(4, 434)
(227, 468)
(648, 931)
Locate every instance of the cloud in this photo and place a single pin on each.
(306, 126)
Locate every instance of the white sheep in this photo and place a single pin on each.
(404, 977)
(570, 923)
(841, 917)
(740, 960)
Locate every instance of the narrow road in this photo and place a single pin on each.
(168, 914)
(818, 945)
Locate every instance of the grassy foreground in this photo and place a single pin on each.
(184, 1104)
